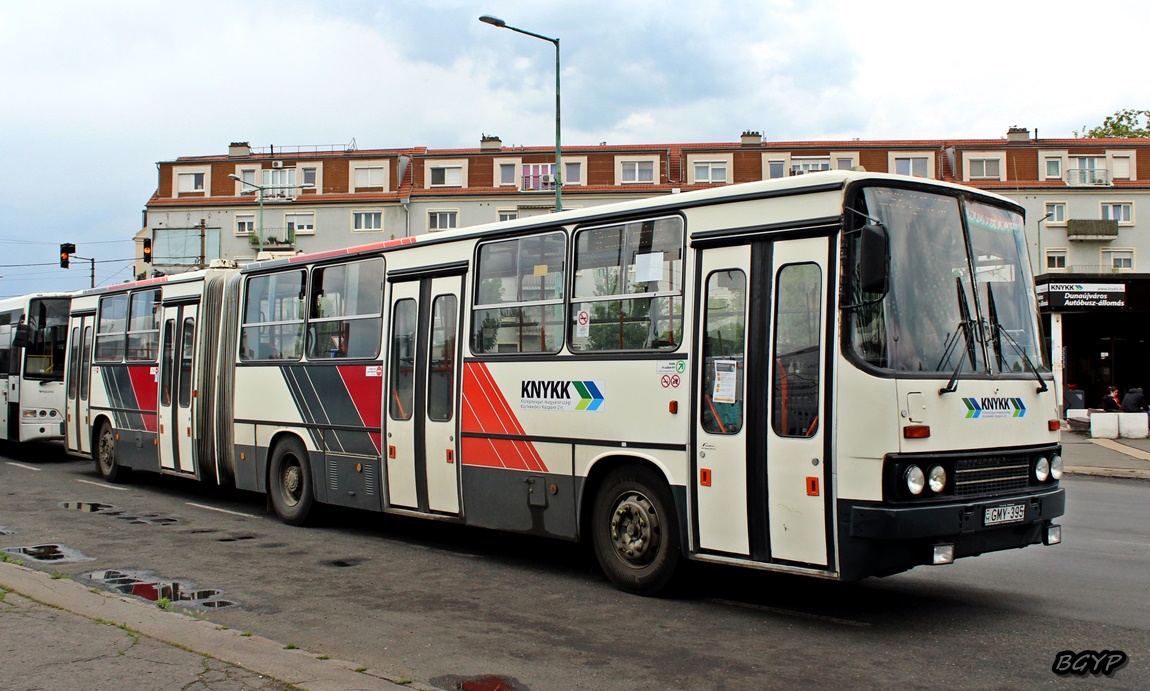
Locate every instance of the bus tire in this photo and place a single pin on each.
(106, 463)
(289, 482)
(635, 532)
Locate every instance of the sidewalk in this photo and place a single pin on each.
(57, 634)
(1105, 457)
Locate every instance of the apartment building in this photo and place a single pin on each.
(1087, 202)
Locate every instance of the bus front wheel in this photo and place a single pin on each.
(289, 483)
(635, 532)
(110, 469)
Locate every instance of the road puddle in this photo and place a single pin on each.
(49, 553)
(118, 513)
(486, 682)
(145, 585)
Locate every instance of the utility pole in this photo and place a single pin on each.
(203, 249)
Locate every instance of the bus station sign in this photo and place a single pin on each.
(1079, 295)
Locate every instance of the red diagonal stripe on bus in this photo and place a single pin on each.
(144, 388)
(486, 411)
(367, 395)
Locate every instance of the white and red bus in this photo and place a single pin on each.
(838, 374)
(32, 341)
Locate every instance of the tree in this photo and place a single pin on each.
(1128, 122)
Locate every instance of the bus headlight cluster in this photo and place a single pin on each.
(917, 480)
(1056, 467)
(1042, 469)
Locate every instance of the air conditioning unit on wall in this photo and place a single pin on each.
(277, 164)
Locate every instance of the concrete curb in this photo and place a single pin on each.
(260, 655)
(1108, 472)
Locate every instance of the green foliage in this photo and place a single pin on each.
(164, 602)
(1128, 122)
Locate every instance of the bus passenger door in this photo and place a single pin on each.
(177, 388)
(798, 479)
(77, 433)
(5, 394)
(422, 396)
(720, 477)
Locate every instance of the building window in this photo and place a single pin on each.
(1056, 260)
(1057, 213)
(1087, 170)
(539, 176)
(984, 168)
(508, 214)
(1121, 167)
(366, 220)
(801, 166)
(369, 177)
(506, 173)
(280, 183)
(847, 164)
(776, 169)
(911, 166)
(447, 176)
(1054, 168)
(1118, 260)
(710, 171)
(248, 186)
(309, 177)
(638, 171)
(245, 224)
(572, 173)
(1123, 212)
(441, 220)
(300, 223)
(191, 182)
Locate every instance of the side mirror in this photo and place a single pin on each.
(874, 259)
(21, 335)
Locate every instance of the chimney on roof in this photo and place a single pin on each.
(750, 138)
(490, 141)
(1017, 134)
(239, 149)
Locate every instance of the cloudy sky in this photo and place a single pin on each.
(93, 94)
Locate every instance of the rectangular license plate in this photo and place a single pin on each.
(997, 515)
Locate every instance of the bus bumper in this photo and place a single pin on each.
(880, 539)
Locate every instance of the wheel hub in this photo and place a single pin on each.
(635, 530)
(292, 481)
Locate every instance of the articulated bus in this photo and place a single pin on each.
(838, 375)
(32, 341)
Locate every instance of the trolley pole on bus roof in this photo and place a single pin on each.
(558, 177)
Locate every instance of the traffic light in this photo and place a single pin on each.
(66, 250)
(148, 250)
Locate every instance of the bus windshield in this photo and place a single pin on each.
(959, 293)
(44, 355)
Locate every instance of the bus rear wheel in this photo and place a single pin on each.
(106, 463)
(289, 482)
(634, 531)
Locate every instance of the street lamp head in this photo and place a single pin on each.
(236, 178)
(306, 186)
(493, 21)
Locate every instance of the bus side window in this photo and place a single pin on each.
(721, 409)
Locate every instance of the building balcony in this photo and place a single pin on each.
(274, 238)
(1087, 177)
(1094, 269)
(1091, 229)
(544, 182)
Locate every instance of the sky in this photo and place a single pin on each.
(94, 93)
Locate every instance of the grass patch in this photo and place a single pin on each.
(164, 603)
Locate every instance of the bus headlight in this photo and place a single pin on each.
(1056, 467)
(915, 480)
(937, 479)
(1042, 469)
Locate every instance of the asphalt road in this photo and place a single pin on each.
(443, 604)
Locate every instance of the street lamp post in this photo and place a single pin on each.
(497, 22)
(260, 192)
(1042, 259)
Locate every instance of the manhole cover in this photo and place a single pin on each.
(145, 584)
(49, 553)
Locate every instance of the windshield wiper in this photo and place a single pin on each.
(998, 330)
(964, 326)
